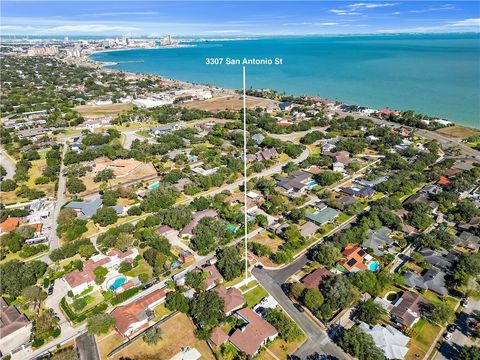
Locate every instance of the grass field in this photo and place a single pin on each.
(177, 332)
(254, 296)
(423, 334)
(458, 131)
(102, 110)
(141, 268)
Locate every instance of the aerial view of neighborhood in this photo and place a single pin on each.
(151, 216)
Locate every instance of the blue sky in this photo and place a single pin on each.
(236, 18)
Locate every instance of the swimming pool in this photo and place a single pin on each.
(373, 266)
(232, 228)
(154, 185)
(312, 183)
(119, 281)
(193, 158)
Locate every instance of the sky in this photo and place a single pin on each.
(235, 18)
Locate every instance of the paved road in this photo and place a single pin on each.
(317, 339)
(450, 348)
(87, 347)
(7, 162)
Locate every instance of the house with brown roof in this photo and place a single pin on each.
(135, 316)
(218, 337)
(254, 334)
(9, 225)
(213, 278)
(232, 297)
(316, 278)
(15, 328)
(187, 231)
(407, 309)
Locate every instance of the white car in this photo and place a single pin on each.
(448, 335)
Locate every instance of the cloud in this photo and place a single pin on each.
(344, 12)
(370, 5)
(467, 22)
(328, 23)
(122, 13)
(88, 29)
(434, 8)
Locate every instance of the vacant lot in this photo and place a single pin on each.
(102, 110)
(177, 332)
(458, 131)
(229, 103)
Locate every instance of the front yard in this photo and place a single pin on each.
(423, 335)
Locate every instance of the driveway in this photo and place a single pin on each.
(87, 347)
(460, 337)
(60, 289)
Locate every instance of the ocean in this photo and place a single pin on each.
(434, 74)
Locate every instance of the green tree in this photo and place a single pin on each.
(296, 290)
(360, 344)
(75, 185)
(104, 175)
(287, 328)
(312, 298)
(327, 254)
(175, 301)
(100, 323)
(105, 216)
(441, 313)
(152, 336)
(370, 312)
(230, 262)
(469, 353)
(208, 309)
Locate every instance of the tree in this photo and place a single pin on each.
(33, 294)
(110, 197)
(75, 185)
(326, 178)
(17, 275)
(296, 290)
(441, 313)
(105, 216)
(370, 312)
(100, 272)
(337, 291)
(67, 354)
(287, 328)
(163, 197)
(195, 279)
(152, 336)
(87, 251)
(326, 254)
(8, 185)
(46, 324)
(104, 175)
(360, 344)
(312, 298)
(469, 353)
(230, 262)
(175, 301)
(100, 323)
(66, 215)
(208, 309)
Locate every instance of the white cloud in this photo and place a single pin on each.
(370, 5)
(434, 8)
(328, 23)
(467, 22)
(344, 12)
(88, 29)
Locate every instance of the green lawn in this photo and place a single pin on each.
(161, 311)
(254, 296)
(141, 268)
(423, 334)
(250, 285)
(435, 299)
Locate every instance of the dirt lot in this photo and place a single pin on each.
(177, 332)
(102, 110)
(273, 244)
(458, 131)
(229, 103)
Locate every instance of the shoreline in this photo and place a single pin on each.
(105, 65)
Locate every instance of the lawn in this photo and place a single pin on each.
(108, 342)
(435, 299)
(161, 311)
(457, 131)
(236, 280)
(423, 334)
(141, 268)
(177, 332)
(250, 285)
(280, 348)
(264, 238)
(101, 110)
(254, 296)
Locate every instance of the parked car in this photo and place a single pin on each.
(448, 335)
(259, 266)
(299, 307)
(50, 289)
(451, 328)
(464, 303)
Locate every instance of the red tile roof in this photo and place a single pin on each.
(232, 296)
(256, 331)
(218, 337)
(443, 181)
(353, 255)
(9, 224)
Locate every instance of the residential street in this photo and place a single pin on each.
(460, 337)
(7, 163)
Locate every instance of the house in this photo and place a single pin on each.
(254, 334)
(308, 229)
(135, 316)
(443, 181)
(78, 281)
(180, 184)
(407, 310)
(277, 228)
(239, 198)
(356, 259)
(361, 192)
(15, 328)
(232, 297)
(205, 172)
(432, 189)
(186, 256)
(468, 241)
(422, 197)
(164, 230)
(88, 208)
(473, 223)
(440, 259)
(392, 341)
(297, 182)
(316, 278)
(346, 202)
(378, 240)
(213, 277)
(9, 224)
(322, 216)
(433, 280)
(371, 183)
(265, 154)
(31, 133)
(187, 231)
(338, 167)
(164, 129)
(285, 106)
(218, 337)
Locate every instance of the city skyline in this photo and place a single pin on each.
(236, 19)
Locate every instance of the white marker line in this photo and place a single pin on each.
(245, 171)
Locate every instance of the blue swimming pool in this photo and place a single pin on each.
(373, 266)
(312, 183)
(154, 185)
(193, 158)
(117, 283)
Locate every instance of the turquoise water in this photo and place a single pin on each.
(154, 185)
(436, 74)
(312, 183)
(373, 266)
(117, 283)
